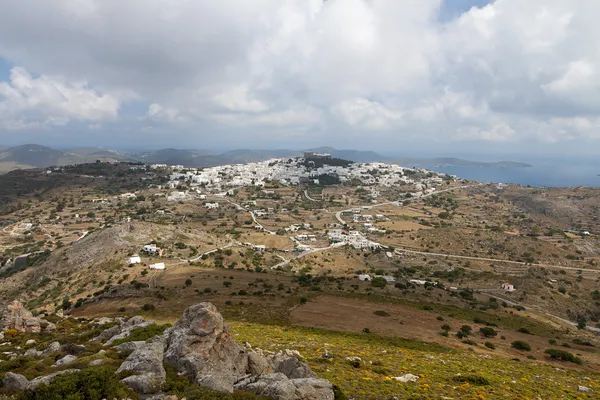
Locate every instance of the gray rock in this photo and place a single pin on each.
(45, 380)
(146, 362)
(218, 382)
(95, 362)
(290, 366)
(52, 348)
(584, 389)
(200, 346)
(257, 364)
(66, 360)
(50, 327)
(102, 320)
(30, 342)
(130, 346)
(33, 353)
(108, 333)
(279, 387)
(14, 382)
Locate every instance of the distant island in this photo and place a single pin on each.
(458, 162)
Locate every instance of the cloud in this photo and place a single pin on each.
(30, 102)
(362, 69)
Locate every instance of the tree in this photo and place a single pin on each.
(488, 332)
(188, 282)
(378, 282)
(581, 322)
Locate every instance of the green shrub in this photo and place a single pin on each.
(476, 380)
(148, 307)
(488, 332)
(378, 282)
(92, 384)
(521, 345)
(524, 330)
(490, 345)
(563, 355)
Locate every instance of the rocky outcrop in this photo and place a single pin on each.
(14, 383)
(15, 316)
(147, 363)
(121, 331)
(200, 347)
(66, 360)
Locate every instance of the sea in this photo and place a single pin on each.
(545, 172)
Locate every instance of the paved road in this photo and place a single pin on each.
(400, 250)
(308, 197)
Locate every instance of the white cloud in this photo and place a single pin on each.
(51, 101)
(363, 69)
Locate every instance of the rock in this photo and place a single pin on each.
(584, 389)
(102, 321)
(124, 329)
(1, 335)
(257, 364)
(200, 346)
(128, 347)
(45, 380)
(30, 342)
(407, 378)
(279, 387)
(147, 362)
(50, 327)
(66, 360)
(33, 353)
(16, 317)
(290, 366)
(14, 382)
(52, 348)
(326, 354)
(95, 362)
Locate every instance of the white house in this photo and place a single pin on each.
(151, 249)
(259, 247)
(135, 259)
(129, 196)
(364, 277)
(157, 266)
(508, 287)
(212, 206)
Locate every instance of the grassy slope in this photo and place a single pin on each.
(384, 358)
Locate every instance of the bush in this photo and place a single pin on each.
(521, 345)
(91, 384)
(490, 345)
(563, 355)
(524, 330)
(378, 282)
(303, 299)
(148, 307)
(446, 327)
(466, 329)
(381, 313)
(476, 380)
(469, 342)
(488, 332)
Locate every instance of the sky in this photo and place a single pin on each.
(396, 76)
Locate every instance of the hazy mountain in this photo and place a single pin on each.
(38, 156)
(458, 162)
(32, 155)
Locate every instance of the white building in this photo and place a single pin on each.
(508, 287)
(364, 277)
(135, 259)
(158, 266)
(212, 206)
(129, 196)
(151, 249)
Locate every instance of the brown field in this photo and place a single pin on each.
(350, 315)
(270, 241)
(402, 225)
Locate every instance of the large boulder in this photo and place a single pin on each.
(147, 364)
(15, 316)
(47, 379)
(279, 387)
(14, 382)
(121, 331)
(290, 366)
(200, 347)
